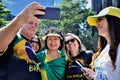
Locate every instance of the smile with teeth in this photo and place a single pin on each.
(52, 45)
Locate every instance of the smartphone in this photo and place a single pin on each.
(50, 13)
(84, 69)
(79, 64)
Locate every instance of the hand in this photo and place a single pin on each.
(28, 14)
(88, 73)
(30, 11)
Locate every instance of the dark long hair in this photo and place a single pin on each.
(114, 31)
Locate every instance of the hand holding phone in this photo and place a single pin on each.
(50, 13)
(80, 65)
(89, 74)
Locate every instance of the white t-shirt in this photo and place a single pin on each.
(103, 66)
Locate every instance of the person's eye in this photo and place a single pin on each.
(49, 38)
(100, 19)
(31, 22)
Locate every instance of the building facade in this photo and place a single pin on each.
(98, 5)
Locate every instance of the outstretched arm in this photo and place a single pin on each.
(8, 32)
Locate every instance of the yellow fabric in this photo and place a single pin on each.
(113, 11)
(19, 50)
(47, 59)
(43, 72)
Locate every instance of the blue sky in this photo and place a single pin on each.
(17, 5)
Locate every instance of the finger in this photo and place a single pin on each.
(90, 77)
(86, 75)
(83, 70)
(40, 7)
(33, 4)
(36, 5)
(38, 12)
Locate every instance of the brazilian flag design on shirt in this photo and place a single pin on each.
(17, 63)
(23, 50)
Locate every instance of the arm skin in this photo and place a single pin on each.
(8, 32)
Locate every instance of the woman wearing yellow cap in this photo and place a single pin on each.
(107, 62)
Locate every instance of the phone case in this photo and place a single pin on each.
(50, 13)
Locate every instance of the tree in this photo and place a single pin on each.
(3, 13)
(73, 19)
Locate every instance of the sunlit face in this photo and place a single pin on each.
(35, 44)
(72, 45)
(53, 42)
(102, 27)
(29, 29)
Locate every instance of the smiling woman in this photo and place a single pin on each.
(51, 55)
(35, 43)
(76, 51)
(106, 61)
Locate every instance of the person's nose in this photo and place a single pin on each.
(69, 42)
(34, 25)
(98, 24)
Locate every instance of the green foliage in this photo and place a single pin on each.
(3, 13)
(46, 24)
(73, 19)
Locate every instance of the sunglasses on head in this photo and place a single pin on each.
(71, 40)
(34, 42)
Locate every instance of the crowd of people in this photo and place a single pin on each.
(23, 57)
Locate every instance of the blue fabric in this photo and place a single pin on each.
(73, 70)
(31, 54)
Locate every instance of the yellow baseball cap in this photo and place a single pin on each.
(113, 11)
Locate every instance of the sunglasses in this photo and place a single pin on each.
(71, 40)
(34, 42)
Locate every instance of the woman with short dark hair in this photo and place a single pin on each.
(52, 60)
